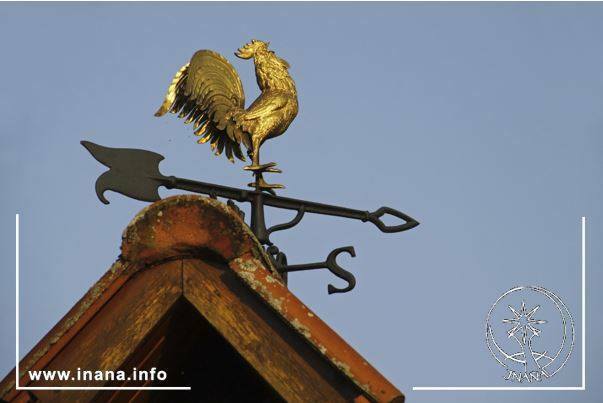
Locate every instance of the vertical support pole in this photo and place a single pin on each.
(258, 221)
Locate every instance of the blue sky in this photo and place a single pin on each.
(483, 121)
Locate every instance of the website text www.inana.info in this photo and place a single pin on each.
(152, 374)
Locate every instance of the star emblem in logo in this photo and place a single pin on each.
(523, 323)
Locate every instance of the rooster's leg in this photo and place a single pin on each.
(258, 169)
(255, 160)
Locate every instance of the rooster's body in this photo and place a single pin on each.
(208, 92)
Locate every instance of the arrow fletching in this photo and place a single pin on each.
(132, 172)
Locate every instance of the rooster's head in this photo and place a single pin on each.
(249, 50)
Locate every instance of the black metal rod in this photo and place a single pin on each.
(258, 221)
(307, 266)
(269, 200)
(313, 207)
(240, 195)
(265, 199)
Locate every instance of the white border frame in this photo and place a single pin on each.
(415, 388)
(535, 388)
(17, 387)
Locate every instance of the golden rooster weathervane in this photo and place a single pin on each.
(208, 92)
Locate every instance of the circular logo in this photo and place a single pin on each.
(530, 332)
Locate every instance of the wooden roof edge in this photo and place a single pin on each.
(182, 226)
(122, 269)
(324, 339)
(60, 334)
